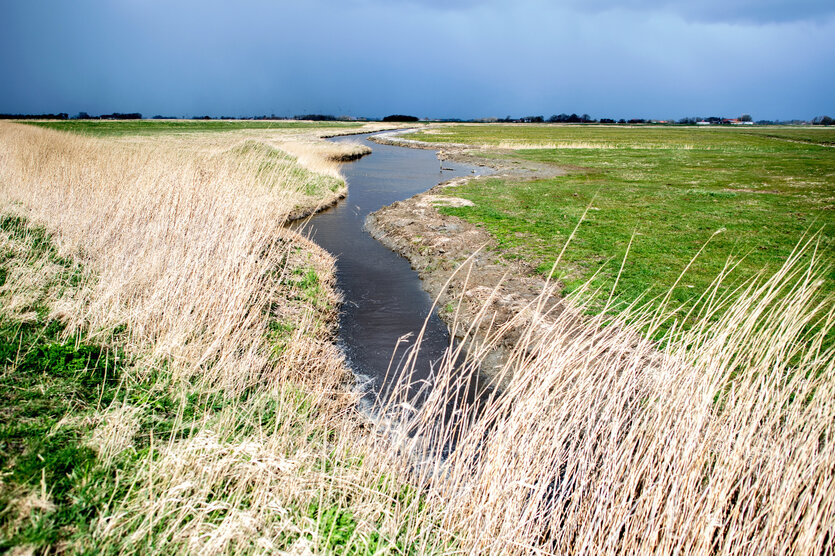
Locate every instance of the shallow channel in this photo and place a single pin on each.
(383, 301)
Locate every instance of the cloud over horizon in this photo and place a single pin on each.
(464, 58)
(750, 12)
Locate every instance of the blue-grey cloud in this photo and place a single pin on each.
(715, 11)
(375, 57)
(722, 11)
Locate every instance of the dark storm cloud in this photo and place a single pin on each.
(456, 58)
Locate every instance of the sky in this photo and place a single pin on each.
(661, 59)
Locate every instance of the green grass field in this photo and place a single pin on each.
(673, 188)
(113, 128)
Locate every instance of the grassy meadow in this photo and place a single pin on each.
(745, 195)
(170, 382)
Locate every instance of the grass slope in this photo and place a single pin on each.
(78, 425)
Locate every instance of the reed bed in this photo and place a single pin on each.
(182, 244)
(715, 438)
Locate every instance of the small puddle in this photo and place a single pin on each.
(383, 299)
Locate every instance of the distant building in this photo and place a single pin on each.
(736, 121)
(702, 123)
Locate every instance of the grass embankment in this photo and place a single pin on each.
(226, 424)
(80, 418)
(671, 187)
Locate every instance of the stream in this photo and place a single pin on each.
(383, 302)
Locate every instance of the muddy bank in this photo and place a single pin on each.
(436, 245)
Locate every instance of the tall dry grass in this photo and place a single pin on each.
(721, 442)
(182, 246)
(716, 439)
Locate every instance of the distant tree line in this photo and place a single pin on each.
(556, 119)
(312, 117)
(566, 119)
(61, 116)
(690, 120)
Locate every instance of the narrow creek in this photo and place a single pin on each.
(383, 301)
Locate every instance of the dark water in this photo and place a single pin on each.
(383, 299)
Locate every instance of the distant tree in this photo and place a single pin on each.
(316, 117)
(621, 121)
(121, 116)
(746, 118)
(82, 116)
(558, 119)
(823, 120)
(607, 121)
(400, 118)
(585, 118)
(688, 121)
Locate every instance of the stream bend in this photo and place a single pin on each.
(384, 305)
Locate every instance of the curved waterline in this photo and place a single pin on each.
(384, 306)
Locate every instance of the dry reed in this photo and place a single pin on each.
(722, 442)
